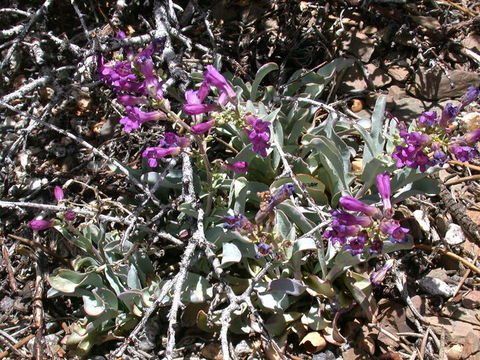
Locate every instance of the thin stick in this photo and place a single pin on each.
(189, 197)
(391, 336)
(449, 254)
(464, 277)
(460, 7)
(8, 266)
(17, 346)
(463, 179)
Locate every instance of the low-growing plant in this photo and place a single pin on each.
(277, 196)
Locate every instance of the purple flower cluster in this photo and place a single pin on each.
(258, 132)
(195, 99)
(371, 228)
(170, 145)
(412, 153)
(134, 87)
(39, 225)
(433, 143)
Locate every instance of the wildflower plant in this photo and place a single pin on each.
(434, 139)
(266, 190)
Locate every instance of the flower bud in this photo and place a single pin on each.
(39, 225)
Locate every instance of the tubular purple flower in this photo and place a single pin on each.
(196, 109)
(130, 100)
(119, 75)
(463, 153)
(470, 96)
(58, 193)
(383, 186)
(344, 218)
(39, 225)
(448, 114)
(471, 137)
(202, 128)
(136, 117)
(152, 154)
(357, 244)
(393, 228)
(377, 277)
(258, 134)
(428, 119)
(212, 76)
(415, 138)
(238, 167)
(352, 204)
(263, 250)
(69, 215)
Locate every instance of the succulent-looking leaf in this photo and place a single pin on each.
(287, 286)
(230, 254)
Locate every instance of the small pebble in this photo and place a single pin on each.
(454, 235)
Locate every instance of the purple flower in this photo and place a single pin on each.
(152, 154)
(195, 99)
(151, 82)
(343, 218)
(197, 109)
(411, 156)
(377, 277)
(416, 139)
(357, 244)
(375, 246)
(130, 100)
(237, 222)
(352, 204)
(39, 225)
(448, 114)
(471, 137)
(194, 105)
(170, 145)
(172, 139)
(69, 215)
(238, 167)
(463, 153)
(118, 74)
(58, 193)
(394, 230)
(470, 96)
(428, 119)
(202, 128)
(383, 186)
(440, 157)
(213, 77)
(263, 250)
(258, 134)
(136, 117)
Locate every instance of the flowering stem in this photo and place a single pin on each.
(203, 152)
(208, 171)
